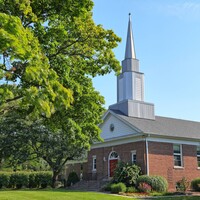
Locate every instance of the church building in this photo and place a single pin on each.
(133, 133)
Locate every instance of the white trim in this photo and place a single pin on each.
(179, 154)
(94, 163)
(141, 137)
(118, 141)
(127, 123)
(174, 140)
(133, 152)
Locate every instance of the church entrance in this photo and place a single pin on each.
(112, 163)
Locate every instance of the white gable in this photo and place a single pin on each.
(120, 128)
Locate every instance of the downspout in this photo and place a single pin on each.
(147, 155)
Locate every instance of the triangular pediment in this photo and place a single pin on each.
(114, 127)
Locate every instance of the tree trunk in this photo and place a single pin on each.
(54, 178)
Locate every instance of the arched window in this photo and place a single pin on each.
(113, 155)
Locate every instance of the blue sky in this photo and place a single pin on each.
(167, 43)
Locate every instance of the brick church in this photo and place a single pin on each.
(132, 133)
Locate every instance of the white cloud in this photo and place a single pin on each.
(187, 10)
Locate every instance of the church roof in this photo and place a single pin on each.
(163, 126)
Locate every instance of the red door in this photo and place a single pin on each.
(113, 164)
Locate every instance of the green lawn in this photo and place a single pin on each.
(178, 198)
(66, 195)
(56, 195)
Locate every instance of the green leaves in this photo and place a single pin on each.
(50, 49)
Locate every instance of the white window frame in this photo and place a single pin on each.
(133, 157)
(94, 163)
(198, 157)
(178, 154)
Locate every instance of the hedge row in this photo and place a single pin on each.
(25, 179)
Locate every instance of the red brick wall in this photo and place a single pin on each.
(124, 152)
(161, 162)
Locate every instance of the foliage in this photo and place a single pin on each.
(18, 180)
(107, 187)
(48, 105)
(182, 185)
(126, 173)
(72, 178)
(25, 179)
(157, 183)
(144, 187)
(195, 184)
(4, 180)
(118, 187)
(32, 181)
(43, 179)
(131, 189)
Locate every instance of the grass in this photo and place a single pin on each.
(179, 198)
(55, 195)
(70, 195)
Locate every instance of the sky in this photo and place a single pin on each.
(167, 43)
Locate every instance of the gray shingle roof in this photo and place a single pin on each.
(164, 126)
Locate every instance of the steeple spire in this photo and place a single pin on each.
(130, 84)
(130, 49)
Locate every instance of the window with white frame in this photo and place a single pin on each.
(178, 162)
(94, 163)
(198, 156)
(133, 157)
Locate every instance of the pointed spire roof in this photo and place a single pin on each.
(130, 49)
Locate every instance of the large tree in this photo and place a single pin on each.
(50, 50)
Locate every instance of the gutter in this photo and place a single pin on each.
(147, 154)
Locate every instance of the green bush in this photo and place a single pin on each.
(182, 185)
(126, 173)
(107, 187)
(131, 190)
(25, 179)
(43, 179)
(72, 178)
(195, 184)
(118, 187)
(4, 180)
(157, 183)
(18, 180)
(32, 182)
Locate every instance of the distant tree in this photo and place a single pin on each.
(50, 51)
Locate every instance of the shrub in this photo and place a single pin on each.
(157, 183)
(131, 190)
(72, 178)
(126, 173)
(144, 187)
(18, 180)
(118, 187)
(196, 184)
(43, 179)
(32, 181)
(4, 180)
(182, 185)
(107, 187)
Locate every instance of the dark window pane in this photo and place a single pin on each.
(177, 148)
(177, 160)
(198, 161)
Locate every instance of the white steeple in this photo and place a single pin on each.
(130, 49)
(130, 84)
